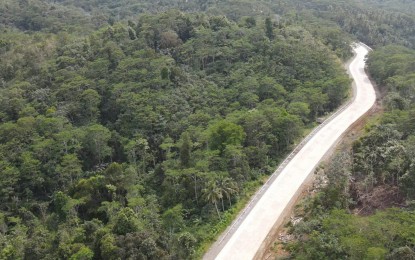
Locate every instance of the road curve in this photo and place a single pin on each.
(244, 237)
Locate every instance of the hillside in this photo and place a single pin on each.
(135, 139)
(137, 129)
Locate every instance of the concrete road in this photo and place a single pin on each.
(245, 236)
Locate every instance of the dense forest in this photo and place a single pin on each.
(375, 22)
(134, 141)
(368, 23)
(137, 129)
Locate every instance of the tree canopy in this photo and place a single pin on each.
(131, 129)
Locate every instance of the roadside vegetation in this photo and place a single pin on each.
(366, 210)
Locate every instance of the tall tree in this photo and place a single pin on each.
(185, 149)
(212, 194)
(269, 28)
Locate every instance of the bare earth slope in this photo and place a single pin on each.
(247, 234)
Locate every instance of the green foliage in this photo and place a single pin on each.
(269, 28)
(392, 158)
(125, 222)
(225, 133)
(95, 143)
(128, 130)
(185, 150)
(84, 253)
(341, 235)
(366, 20)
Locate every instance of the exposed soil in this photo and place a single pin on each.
(381, 197)
(276, 249)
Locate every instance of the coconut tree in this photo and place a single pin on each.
(231, 189)
(228, 187)
(212, 194)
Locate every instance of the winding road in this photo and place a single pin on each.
(244, 238)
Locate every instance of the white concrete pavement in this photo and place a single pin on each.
(246, 235)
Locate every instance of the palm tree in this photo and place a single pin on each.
(222, 184)
(228, 187)
(212, 194)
